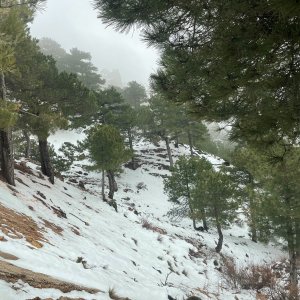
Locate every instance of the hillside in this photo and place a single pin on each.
(86, 247)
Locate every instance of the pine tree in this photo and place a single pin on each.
(107, 152)
(208, 194)
(159, 122)
(215, 192)
(12, 30)
(180, 186)
(134, 94)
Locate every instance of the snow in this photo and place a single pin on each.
(118, 251)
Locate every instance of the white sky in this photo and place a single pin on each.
(74, 23)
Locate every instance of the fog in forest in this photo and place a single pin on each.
(74, 23)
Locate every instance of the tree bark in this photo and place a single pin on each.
(253, 224)
(219, 229)
(169, 152)
(103, 187)
(291, 239)
(176, 141)
(190, 142)
(28, 144)
(204, 221)
(6, 145)
(6, 156)
(130, 139)
(113, 187)
(45, 160)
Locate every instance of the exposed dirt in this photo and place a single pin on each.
(11, 273)
(18, 226)
(8, 256)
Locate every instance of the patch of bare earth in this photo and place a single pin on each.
(18, 226)
(11, 273)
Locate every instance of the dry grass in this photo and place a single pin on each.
(113, 295)
(23, 168)
(254, 277)
(17, 226)
(149, 226)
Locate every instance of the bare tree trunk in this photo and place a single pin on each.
(190, 142)
(253, 221)
(291, 239)
(169, 152)
(28, 143)
(113, 187)
(252, 210)
(6, 145)
(6, 155)
(176, 141)
(219, 229)
(103, 187)
(130, 139)
(45, 160)
(204, 221)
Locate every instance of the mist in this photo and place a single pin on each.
(74, 23)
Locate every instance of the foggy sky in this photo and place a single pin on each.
(74, 23)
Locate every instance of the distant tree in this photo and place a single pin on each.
(134, 94)
(188, 129)
(158, 121)
(180, 185)
(215, 192)
(124, 117)
(208, 193)
(51, 47)
(77, 62)
(107, 152)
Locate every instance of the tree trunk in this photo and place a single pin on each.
(28, 144)
(169, 152)
(220, 240)
(6, 156)
(298, 243)
(45, 160)
(176, 141)
(204, 221)
(103, 187)
(6, 145)
(130, 139)
(291, 239)
(252, 218)
(190, 142)
(112, 184)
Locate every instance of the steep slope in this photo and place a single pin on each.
(70, 234)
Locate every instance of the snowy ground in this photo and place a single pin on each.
(117, 252)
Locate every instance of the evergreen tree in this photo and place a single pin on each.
(207, 193)
(12, 30)
(47, 97)
(215, 193)
(134, 94)
(159, 122)
(107, 152)
(77, 62)
(180, 185)
(124, 117)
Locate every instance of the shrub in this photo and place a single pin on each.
(253, 277)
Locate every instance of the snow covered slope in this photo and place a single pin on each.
(72, 235)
